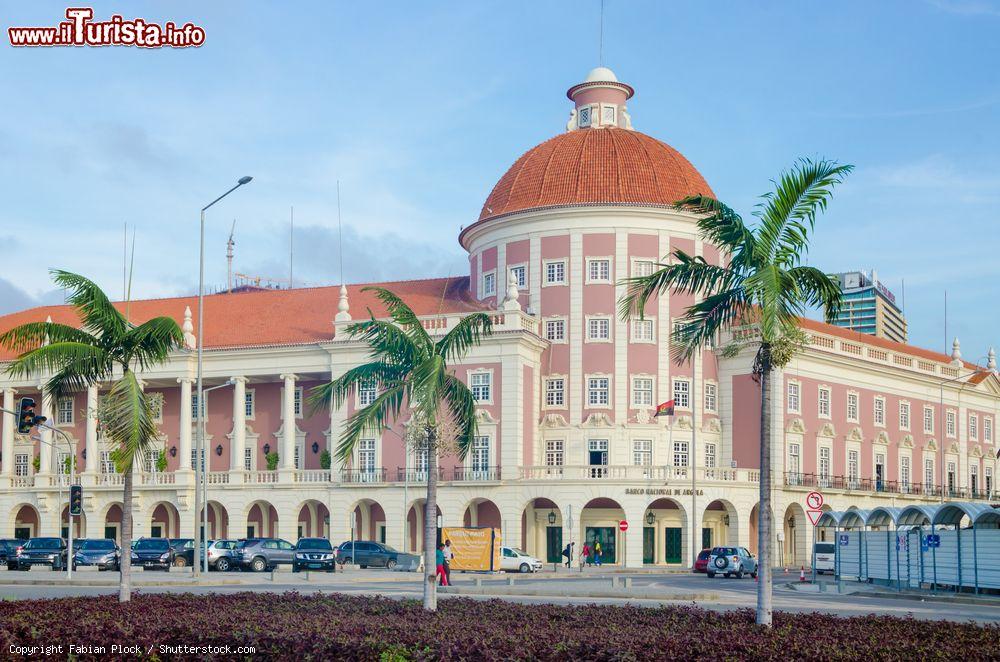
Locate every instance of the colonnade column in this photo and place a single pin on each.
(238, 442)
(7, 430)
(90, 438)
(287, 458)
(184, 447)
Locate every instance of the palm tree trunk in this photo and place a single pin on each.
(430, 525)
(125, 561)
(764, 512)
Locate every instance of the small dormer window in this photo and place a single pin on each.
(584, 116)
(608, 115)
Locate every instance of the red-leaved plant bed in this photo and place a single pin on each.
(332, 627)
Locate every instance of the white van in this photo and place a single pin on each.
(514, 560)
(825, 555)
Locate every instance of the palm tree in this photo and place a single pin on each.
(107, 348)
(409, 369)
(763, 287)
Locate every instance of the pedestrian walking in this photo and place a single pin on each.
(597, 553)
(441, 576)
(583, 559)
(568, 553)
(449, 555)
(586, 553)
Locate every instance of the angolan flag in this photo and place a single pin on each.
(665, 409)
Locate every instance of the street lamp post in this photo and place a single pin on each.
(200, 446)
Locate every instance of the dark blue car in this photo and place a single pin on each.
(152, 554)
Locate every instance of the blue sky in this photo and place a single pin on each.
(418, 108)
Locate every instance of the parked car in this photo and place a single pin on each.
(825, 555)
(39, 551)
(731, 561)
(8, 548)
(100, 552)
(260, 554)
(314, 553)
(152, 553)
(701, 563)
(182, 550)
(222, 555)
(514, 560)
(366, 553)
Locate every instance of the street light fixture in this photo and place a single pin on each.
(650, 517)
(552, 517)
(200, 445)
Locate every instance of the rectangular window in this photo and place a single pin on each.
(949, 423)
(794, 399)
(904, 473)
(987, 429)
(928, 474)
(599, 270)
(366, 455)
(951, 478)
(642, 391)
(366, 394)
(598, 328)
(21, 464)
(928, 420)
(520, 275)
(852, 466)
(973, 427)
(794, 463)
(642, 267)
(297, 401)
(904, 415)
(554, 453)
(642, 452)
(107, 464)
(555, 330)
(64, 412)
(710, 457)
(988, 480)
(481, 385)
(682, 394)
(642, 331)
(555, 392)
(152, 459)
(852, 407)
(248, 404)
(489, 284)
(157, 408)
(608, 114)
(248, 459)
(824, 402)
(481, 454)
(598, 389)
(824, 463)
(194, 407)
(680, 453)
(711, 397)
(974, 478)
(879, 411)
(555, 273)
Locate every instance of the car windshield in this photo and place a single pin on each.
(43, 543)
(825, 548)
(315, 543)
(96, 545)
(151, 544)
(519, 552)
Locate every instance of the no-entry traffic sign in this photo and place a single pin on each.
(623, 526)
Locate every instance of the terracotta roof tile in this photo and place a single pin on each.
(275, 317)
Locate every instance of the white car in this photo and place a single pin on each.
(514, 560)
(825, 557)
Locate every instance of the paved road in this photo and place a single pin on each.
(731, 593)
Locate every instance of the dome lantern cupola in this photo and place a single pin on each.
(599, 102)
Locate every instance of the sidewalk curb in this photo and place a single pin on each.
(548, 593)
(135, 585)
(916, 597)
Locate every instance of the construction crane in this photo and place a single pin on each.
(229, 258)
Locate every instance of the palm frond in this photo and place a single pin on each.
(151, 342)
(91, 363)
(35, 334)
(462, 407)
(687, 275)
(336, 392)
(465, 335)
(127, 419)
(387, 341)
(704, 319)
(719, 224)
(427, 381)
(404, 317)
(817, 288)
(371, 420)
(92, 304)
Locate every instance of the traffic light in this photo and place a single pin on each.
(75, 500)
(26, 417)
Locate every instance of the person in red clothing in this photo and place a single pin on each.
(442, 575)
(586, 553)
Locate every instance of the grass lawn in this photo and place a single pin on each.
(332, 627)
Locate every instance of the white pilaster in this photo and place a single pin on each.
(185, 425)
(575, 331)
(288, 428)
(238, 441)
(621, 335)
(90, 440)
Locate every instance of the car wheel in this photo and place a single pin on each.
(726, 575)
(348, 561)
(56, 567)
(754, 574)
(222, 565)
(390, 564)
(711, 575)
(524, 568)
(180, 561)
(295, 568)
(330, 569)
(12, 566)
(739, 574)
(258, 564)
(363, 567)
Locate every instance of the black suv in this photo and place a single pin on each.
(40, 551)
(182, 550)
(8, 548)
(366, 553)
(260, 554)
(101, 552)
(314, 553)
(152, 553)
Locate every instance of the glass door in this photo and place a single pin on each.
(673, 544)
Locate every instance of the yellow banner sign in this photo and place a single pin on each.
(474, 549)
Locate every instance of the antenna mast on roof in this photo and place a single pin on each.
(600, 39)
(230, 244)
(124, 260)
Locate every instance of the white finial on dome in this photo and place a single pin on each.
(510, 302)
(190, 342)
(991, 360)
(600, 102)
(343, 307)
(601, 75)
(956, 351)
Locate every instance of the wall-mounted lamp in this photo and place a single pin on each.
(267, 448)
(173, 451)
(725, 520)
(84, 454)
(650, 517)
(218, 450)
(552, 517)
(315, 447)
(791, 522)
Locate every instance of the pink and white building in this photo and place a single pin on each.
(567, 445)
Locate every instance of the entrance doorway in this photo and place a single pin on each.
(553, 544)
(606, 536)
(706, 538)
(111, 532)
(648, 544)
(673, 544)
(22, 532)
(156, 531)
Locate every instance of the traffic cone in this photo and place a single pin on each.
(802, 573)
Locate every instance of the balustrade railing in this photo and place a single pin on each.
(312, 476)
(159, 478)
(876, 486)
(473, 473)
(262, 477)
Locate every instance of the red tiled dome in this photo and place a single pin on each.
(592, 167)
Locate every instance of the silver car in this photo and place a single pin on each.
(732, 561)
(222, 555)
